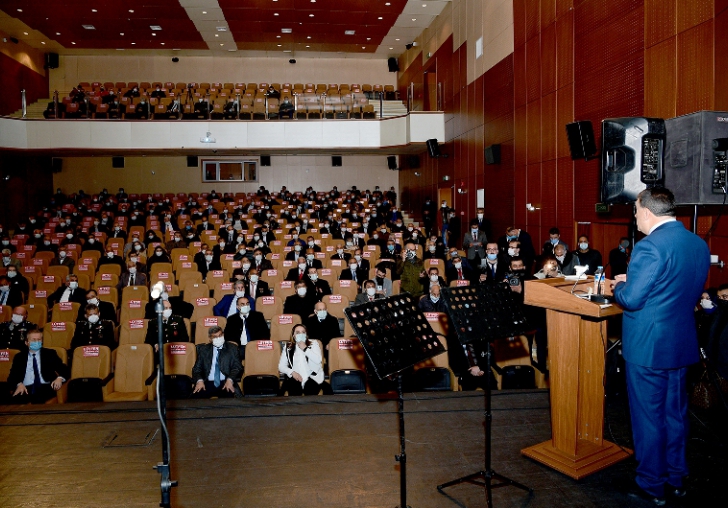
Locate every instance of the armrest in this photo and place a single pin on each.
(151, 378)
(108, 378)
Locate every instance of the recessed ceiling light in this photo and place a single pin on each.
(155, 27)
(310, 15)
(20, 10)
(89, 27)
(25, 33)
(414, 19)
(286, 30)
(131, 10)
(391, 48)
(222, 29)
(42, 43)
(278, 36)
(349, 32)
(58, 33)
(153, 34)
(121, 33)
(275, 14)
(133, 43)
(363, 47)
(380, 17)
(424, 5)
(162, 43)
(280, 45)
(204, 12)
(217, 35)
(73, 43)
(308, 46)
(308, 37)
(94, 10)
(313, 1)
(387, 4)
(369, 38)
(396, 39)
(222, 44)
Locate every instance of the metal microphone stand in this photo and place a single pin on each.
(166, 483)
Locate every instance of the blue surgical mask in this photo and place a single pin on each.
(554, 241)
(35, 346)
(492, 257)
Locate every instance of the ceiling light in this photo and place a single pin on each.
(222, 44)
(380, 17)
(20, 10)
(363, 47)
(89, 27)
(153, 34)
(42, 43)
(369, 38)
(58, 33)
(121, 33)
(133, 43)
(131, 10)
(73, 43)
(204, 12)
(280, 45)
(308, 46)
(424, 5)
(391, 48)
(25, 33)
(162, 43)
(286, 30)
(310, 15)
(396, 39)
(308, 37)
(94, 10)
(387, 4)
(349, 32)
(313, 1)
(275, 14)
(222, 29)
(414, 19)
(155, 27)
(217, 35)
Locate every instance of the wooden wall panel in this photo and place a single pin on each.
(548, 198)
(565, 192)
(660, 22)
(563, 7)
(532, 18)
(661, 79)
(564, 115)
(519, 22)
(596, 14)
(533, 196)
(548, 59)
(533, 66)
(548, 127)
(565, 49)
(476, 106)
(533, 131)
(721, 60)
(520, 135)
(520, 184)
(519, 75)
(693, 13)
(695, 79)
(548, 13)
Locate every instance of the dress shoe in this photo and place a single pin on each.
(675, 491)
(637, 492)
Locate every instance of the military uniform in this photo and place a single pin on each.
(12, 336)
(173, 330)
(100, 333)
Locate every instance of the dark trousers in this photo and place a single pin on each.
(294, 388)
(658, 405)
(43, 394)
(211, 391)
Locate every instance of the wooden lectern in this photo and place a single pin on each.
(577, 334)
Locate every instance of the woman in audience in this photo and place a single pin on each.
(301, 364)
(151, 237)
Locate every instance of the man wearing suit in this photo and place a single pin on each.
(13, 333)
(245, 325)
(383, 283)
(131, 277)
(204, 226)
(208, 264)
(68, 292)
(37, 373)
(218, 369)
(173, 328)
(664, 280)
(494, 269)
(317, 286)
(9, 295)
(260, 262)
(368, 294)
(112, 259)
(106, 309)
(63, 260)
(458, 271)
(432, 279)
(179, 307)
(322, 325)
(227, 306)
(93, 331)
(302, 303)
(18, 281)
(298, 272)
(432, 302)
(474, 242)
(254, 287)
(354, 273)
(341, 253)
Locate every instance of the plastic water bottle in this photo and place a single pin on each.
(598, 279)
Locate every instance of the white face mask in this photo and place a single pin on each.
(94, 301)
(339, 251)
(561, 258)
(300, 337)
(432, 248)
(511, 252)
(132, 270)
(321, 314)
(434, 298)
(158, 253)
(218, 342)
(313, 277)
(458, 265)
(62, 254)
(93, 318)
(707, 304)
(583, 245)
(109, 255)
(73, 285)
(301, 291)
(208, 258)
(240, 294)
(357, 257)
(12, 274)
(371, 291)
(17, 319)
(253, 279)
(246, 267)
(222, 245)
(297, 248)
(353, 267)
(259, 258)
(69, 236)
(244, 310)
(434, 278)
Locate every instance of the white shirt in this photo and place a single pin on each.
(233, 309)
(66, 295)
(668, 219)
(211, 376)
(244, 334)
(305, 362)
(29, 378)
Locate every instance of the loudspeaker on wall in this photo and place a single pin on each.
(56, 164)
(581, 140)
(265, 160)
(393, 64)
(51, 60)
(433, 148)
(336, 160)
(192, 161)
(493, 154)
(117, 162)
(392, 162)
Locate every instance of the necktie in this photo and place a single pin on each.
(4, 298)
(36, 375)
(216, 359)
(300, 274)
(131, 279)
(244, 335)
(460, 274)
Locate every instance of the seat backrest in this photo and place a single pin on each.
(203, 307)
(38, 313)
(282, 324)
(66, 311)
(269, 306)
(58, 334)
(6, 361)
(346, 354)
(179, 358)
(133, 331)
(262, 357)
(134, 365)
(91, 362)
(134, 293)
(204, 324)
(336, 304)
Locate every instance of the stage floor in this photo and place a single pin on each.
(326, 451)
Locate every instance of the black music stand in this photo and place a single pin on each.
(484, 313)
(395, 335)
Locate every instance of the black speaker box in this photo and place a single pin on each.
(433, 148)
(56, 164)
(392, 162)
(632, 151)
(413, 162)
(581, 140)
(696, 157)
(51, 61)
(493, 154)
(117, 162)
(336, 160)
(192, 161)
(265, 160)
(393, 64)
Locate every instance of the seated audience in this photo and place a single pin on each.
(432, 302)
(93, 331)
(173, 328)
(301, 364)
(13, 333)
(10, 295)
(301, 303)
(37, 373)
(245, 325)
(217, 370)
(68, 292)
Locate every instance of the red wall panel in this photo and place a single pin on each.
(15, 77)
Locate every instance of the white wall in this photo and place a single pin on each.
(77, 68)
(171, 174)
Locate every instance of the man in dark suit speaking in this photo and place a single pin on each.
(663, 282)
